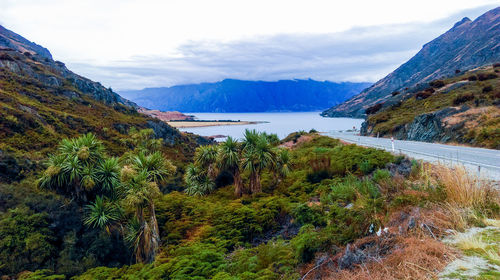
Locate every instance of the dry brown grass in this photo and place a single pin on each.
(460, 187)
(412, 258)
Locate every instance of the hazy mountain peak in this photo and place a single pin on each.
(464, 20)
(469, 44)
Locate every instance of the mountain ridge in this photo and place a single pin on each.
(467, 45)
(233, 95)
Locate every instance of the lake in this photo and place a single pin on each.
(279, 123)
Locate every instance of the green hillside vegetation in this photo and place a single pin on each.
(35, 114)
(91, 189)
(306, 207)
(478, 124)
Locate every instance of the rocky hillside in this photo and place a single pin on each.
(462, 109)
(467, 45)
(11, 40)
(42, 102)
(57, 75)
(246, 96)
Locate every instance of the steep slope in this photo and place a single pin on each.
(467, 45)
(57, 71)
(247, 96)
(42, 102)
(461, 109)
(11, 40)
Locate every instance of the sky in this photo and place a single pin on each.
(133, 44)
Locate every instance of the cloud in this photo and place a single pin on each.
(357, 54)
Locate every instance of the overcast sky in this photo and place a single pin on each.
(132, 44)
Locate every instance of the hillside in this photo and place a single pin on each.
(467, 45)
(43, 102)
(246, 96)
(461, 109)
(84, 196)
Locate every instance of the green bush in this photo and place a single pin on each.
(304, 214)
(381, 175)
(306, 244)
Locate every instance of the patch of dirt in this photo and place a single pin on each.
(300, 140)
(165, 116)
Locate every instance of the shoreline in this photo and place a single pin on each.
(202, 123)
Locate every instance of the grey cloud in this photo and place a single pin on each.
(359, 54)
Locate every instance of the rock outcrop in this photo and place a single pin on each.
(429, 127)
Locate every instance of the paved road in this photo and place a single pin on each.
(484, 161)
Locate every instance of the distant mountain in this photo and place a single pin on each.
(467, 45)
(246, 96)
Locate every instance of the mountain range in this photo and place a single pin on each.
(467, 45)
(247, 96)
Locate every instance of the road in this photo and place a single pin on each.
(485, 162)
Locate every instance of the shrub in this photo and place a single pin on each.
(487, 89)
(462, 99)
(457, 71)
(318, 176)
(304, 214)
(437, 83)
(487, 76)
(381, 175)
(397, 104)
(431, 90)
(422, 95)
(43, 274)
(496, 65)
(373, 109)
(5, 56)
(306, 244)
(366, 167)
(472, 78)
(395, 93)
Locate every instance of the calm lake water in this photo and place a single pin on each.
(279, 123)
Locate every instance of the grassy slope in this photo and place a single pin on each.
(309, 218)
(482, 127)
(35, 116)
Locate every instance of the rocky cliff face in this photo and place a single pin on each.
(430, 127)
(467, 45)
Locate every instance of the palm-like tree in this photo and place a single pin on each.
(74, 169)
(281, 167)
(197, 181)
(206, 158)
(141, 181)
(257, 155)
(229, 159)
(102, 214)
(108, 176)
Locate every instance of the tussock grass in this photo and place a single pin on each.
(466, 191)
(493, 256)
(471, 243)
